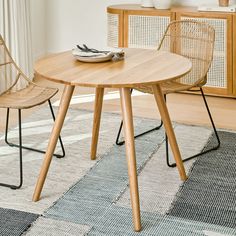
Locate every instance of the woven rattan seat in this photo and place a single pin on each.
(194, 40)
(13, 96)
(167, 87)
(28, 97)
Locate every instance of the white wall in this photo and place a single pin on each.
(61, 24)
(194, 2)
(74, 22)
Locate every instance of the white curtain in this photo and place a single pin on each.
(15, 29)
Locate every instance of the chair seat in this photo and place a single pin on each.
(167, 87)
(28, 97)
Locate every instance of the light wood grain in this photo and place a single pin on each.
(121, 32)
(159, 97)
(96, 121)
(64, 105)
(234, 58)
(130, 155)
(117, 9)
(139, 66)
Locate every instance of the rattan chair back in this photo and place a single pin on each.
(14, 96)
(194, 40)
(17, 97)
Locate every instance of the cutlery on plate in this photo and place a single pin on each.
(85, 48)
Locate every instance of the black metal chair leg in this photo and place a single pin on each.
(203, 152)
(138, 135)
(20, 154)
(34, 149)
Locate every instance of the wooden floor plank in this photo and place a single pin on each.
(183, 108)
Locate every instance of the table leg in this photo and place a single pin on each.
(169, 129)
(96, 121)
(64, 105)
(130, 155)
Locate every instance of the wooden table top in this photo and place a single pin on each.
(140, 66)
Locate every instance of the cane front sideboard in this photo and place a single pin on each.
(133, 26)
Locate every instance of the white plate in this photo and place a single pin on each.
(97, 57)
(101, 58)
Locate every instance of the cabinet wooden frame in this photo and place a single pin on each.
(234, 55)
(228, 88)
(228, 91)
(120, 14)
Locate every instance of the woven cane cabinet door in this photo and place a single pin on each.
(130, 25)
(220, 80)
(113, 30)
(145, 31)
(115, 27)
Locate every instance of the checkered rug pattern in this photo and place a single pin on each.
(84, 197)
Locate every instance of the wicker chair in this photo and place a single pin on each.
(194, 40)
(13, 98)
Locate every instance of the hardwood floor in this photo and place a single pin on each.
(183, 108)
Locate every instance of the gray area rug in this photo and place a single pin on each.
(209, 195)
(14, 223)
(93, 200)
(63, 172)
(88, 200)
(98, 202)
(50, 227)
(157, 180)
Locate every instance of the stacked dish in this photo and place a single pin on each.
(86, 54)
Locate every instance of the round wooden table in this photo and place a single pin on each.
(140, 67)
